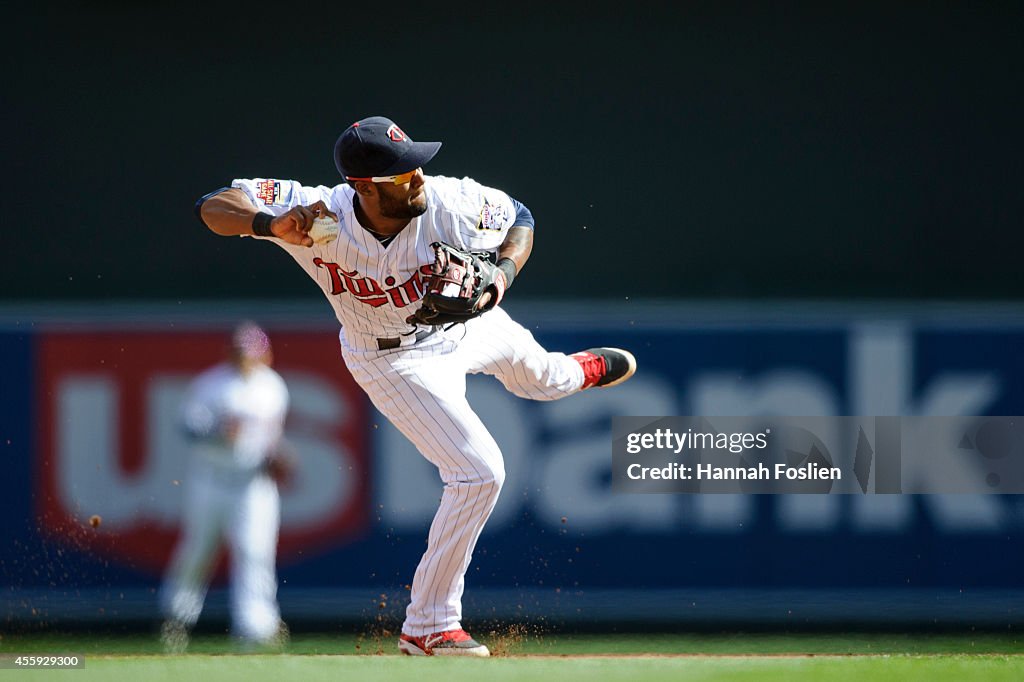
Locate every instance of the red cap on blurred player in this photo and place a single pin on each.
(250, 341)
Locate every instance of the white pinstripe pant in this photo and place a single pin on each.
(245, 510)
(422, 391)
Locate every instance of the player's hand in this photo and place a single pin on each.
(293, 227)
(229, 428)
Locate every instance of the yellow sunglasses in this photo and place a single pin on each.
(396, 179)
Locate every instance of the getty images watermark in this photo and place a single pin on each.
(841, 455)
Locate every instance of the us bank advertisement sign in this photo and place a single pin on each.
(90, 428)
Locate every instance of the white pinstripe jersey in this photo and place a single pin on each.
(258, 402)
(374, 288)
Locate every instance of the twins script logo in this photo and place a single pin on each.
(368, 291)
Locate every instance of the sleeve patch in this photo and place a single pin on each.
(269, 191)
(493, 216)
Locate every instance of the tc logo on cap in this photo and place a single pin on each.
(396, 134)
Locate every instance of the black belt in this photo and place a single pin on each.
(388, 344)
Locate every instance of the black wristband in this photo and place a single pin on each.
(507, 266)
(261, 225)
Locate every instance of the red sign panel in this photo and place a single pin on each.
(113, 459)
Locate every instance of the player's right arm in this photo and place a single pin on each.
(200, 418)
(232, 213)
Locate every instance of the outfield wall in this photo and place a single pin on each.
(89, 399)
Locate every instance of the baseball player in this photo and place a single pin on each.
(234, 414)
(390, 247)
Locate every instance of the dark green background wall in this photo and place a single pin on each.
(699, 149)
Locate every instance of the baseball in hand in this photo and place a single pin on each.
(324, 230)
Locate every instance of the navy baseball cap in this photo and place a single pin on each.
(377, 147)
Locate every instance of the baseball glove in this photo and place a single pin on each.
(281, 464)
(456, 285)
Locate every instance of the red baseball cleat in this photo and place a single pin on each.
(604, 367)
(447, 643)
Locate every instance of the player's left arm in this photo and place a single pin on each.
(518, 242)
(282, 459)
(488, 219)
(513, 252)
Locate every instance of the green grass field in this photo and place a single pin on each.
(594, 658)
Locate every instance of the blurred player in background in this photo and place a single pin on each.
(234, 415)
